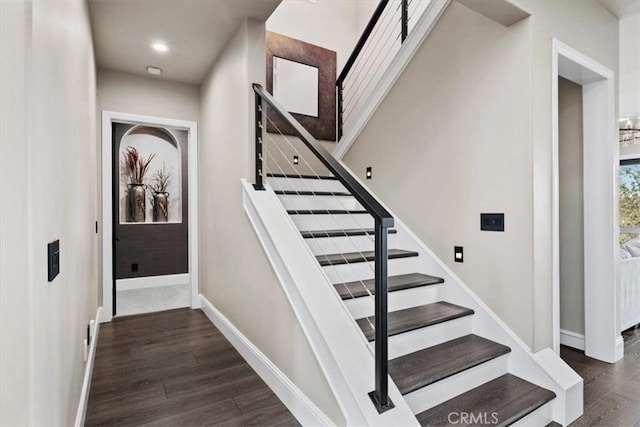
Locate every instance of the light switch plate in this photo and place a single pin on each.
(458, 254)
(53, 260)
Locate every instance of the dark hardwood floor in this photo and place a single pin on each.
(611, 391)
(174, 368)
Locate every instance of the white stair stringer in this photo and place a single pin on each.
(339, 346)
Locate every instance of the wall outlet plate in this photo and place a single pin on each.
(53, 260)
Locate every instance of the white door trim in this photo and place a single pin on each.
(601, 160)
(108, 117)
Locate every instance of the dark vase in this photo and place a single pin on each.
(136, 203)
(161, 207)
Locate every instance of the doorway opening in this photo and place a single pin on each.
(149, 214)
(600, 152)
(571, 215)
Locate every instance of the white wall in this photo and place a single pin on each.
(571, 206)
(630, 65)
(475, 136)
(53, 184)
(332, 24)
(15, 325)
(235, 274)
(128, 93)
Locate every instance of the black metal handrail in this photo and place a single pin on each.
(357, 50)
(383, 221)
(366, 33)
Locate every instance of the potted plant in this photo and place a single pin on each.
(135, 168)
(159, 185)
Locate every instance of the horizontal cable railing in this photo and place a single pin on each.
(389, 26)
(293, 160)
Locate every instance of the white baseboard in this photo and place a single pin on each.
(572, 339)
(305, 411)
(152, 282)
(88, 371)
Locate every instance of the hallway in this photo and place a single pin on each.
(611, 391)
(175, 368)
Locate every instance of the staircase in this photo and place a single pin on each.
(447, 374)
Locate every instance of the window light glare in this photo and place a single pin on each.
(159, 47)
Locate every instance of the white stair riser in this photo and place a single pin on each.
(332, 222)
(448, 388)
(540, 417)
(408, 342)
(301, 202)
(398, 300)
(334, 245)
(305, 184)
(365, 270)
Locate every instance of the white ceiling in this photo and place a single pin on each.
(195, 30)
(621, 8)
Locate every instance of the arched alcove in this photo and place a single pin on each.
(150, 140)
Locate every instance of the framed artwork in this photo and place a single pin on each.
(302, 77)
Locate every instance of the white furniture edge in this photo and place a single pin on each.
(572, 339)
(152, 282)
(340, 348)
(106, 178)
(408, 49)
(88, 371)
(293, 398)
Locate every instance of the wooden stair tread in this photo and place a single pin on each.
(293, 176)
(314, 234)
(362, 288)
(413, 318)
(311, 193)
(364, 256)
(325, 212)
(427, 366)
(509, 397)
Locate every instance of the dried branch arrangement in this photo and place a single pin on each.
(136, 166)
(161, 180)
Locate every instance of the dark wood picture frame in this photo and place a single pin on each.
(324, 126)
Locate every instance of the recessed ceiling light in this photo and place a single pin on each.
(154, 70)
(159, 47)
